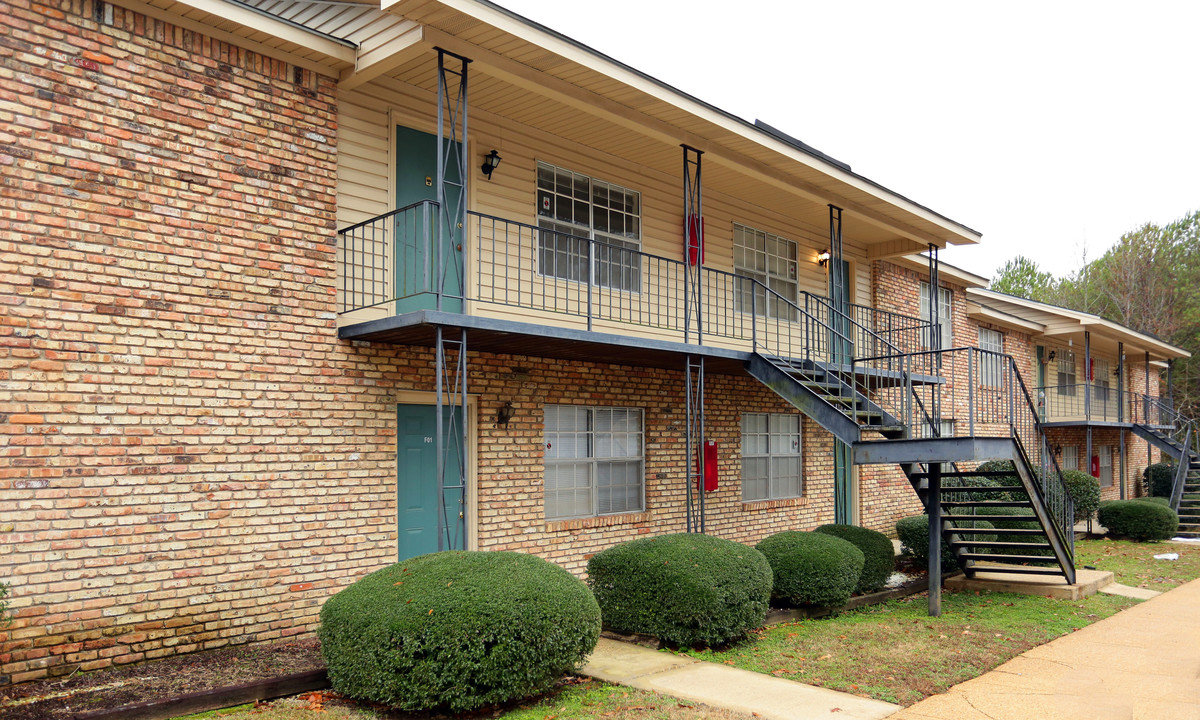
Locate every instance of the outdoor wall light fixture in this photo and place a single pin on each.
(1051, 357)
(505, 413)
(823, 258)
(491, 161)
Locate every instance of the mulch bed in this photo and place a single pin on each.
(64, 698)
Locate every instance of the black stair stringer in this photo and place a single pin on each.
(809, 402)
(911, 455)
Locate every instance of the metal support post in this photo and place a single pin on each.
(450, 414)
(1088, 379)
(693, 244)
(1121, 410)
(935, 539)
(935, 296)
(452, 173)
(1089, 449)
(694, 444)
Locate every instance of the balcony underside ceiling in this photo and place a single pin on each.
(529, 75)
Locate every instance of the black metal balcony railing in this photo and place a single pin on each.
(1084, 401)
(401, 255)
(984, 396)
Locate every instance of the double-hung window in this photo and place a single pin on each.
(771, 462)
(1106, 465)
(1101, 384)
(772, 261)
(1070, 457)
(1065, 373)
(576, 212)
(945, 320)
(991, 367)
(593, 459)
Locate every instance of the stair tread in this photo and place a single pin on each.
(1001, 557)
(1000, 531)
(968, 473)
(1001, 544)
(984, 503)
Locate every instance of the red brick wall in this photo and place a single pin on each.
(179, 457)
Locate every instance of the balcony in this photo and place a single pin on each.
(508, 282)
(1100, 405)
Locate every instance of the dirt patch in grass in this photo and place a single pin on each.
(157, 679)
(1133, 563)
(895, 652)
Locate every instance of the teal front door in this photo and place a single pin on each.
(428, 250)
(417, 484)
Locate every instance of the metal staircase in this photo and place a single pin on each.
(887, 409)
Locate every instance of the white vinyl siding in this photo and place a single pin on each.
(594, 463)
(771, 457)
(572, 208)
(991, 368)
(772, 261)
(945, 319)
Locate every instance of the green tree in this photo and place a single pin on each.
(1022, 277)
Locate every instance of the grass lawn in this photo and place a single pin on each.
(897, 653)
(1134, 563)
(578, 699)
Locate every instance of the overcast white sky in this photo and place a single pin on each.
(1047, 126)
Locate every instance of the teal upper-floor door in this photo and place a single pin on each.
(417, 485)
(426, 246)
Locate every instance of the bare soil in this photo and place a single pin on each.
(63, 698)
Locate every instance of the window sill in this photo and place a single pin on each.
(769, 504)
(597, 521)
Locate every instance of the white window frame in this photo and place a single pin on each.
(766, 264)
(782, 446)
(1065, 377)
(1106, 465)
(945, 315)
(587, 443)
(616, 261)
(991, 368)
(1070, 457)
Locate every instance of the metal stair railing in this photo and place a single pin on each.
(987, 386)
(1181, 470)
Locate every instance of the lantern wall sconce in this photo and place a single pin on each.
(505, 413)
(491, 161)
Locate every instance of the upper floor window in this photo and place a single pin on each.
(593, 459)
(991, 367)
(771, 461)
(944, 318)
(772, 261)
(1106, 465)
(1101, 380)
(1065, 375)
(573, 209)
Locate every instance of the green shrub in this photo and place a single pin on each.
(1137, 520)
(1165, 502)
(913, 532)
(686, 589)
(1010, 518)
(5, 613)
(457, 630)
(1160, 477)
(812, 568)
(1084, 490)
(989, 466)
(878, 552)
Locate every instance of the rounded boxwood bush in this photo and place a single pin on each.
(877, 550)
(457, 630)
(1010, 518)
(685, 589)
(1160, 477)
(1084, 490)
(1156, 500)
(948, 484)
(812, 568)
(1140, 521)
(913, 532)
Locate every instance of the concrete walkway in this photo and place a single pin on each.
(1141, 664)
(726, 687)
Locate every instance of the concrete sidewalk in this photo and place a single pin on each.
(1141, 664)
(726, 687)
